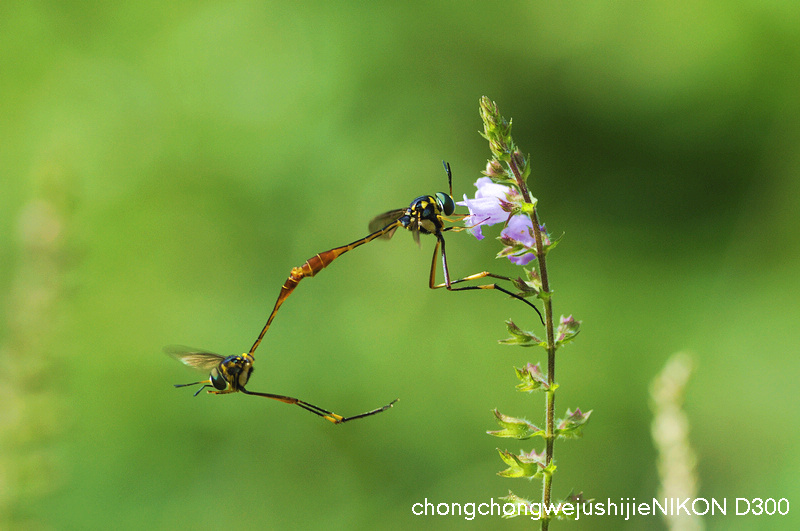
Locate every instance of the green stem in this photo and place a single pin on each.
(551, 344)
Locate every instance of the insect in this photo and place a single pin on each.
(425, 215)
(231, 374)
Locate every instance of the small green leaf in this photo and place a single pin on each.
(532, 282)
(532, 378)
(528, 208)
(519, 503)
(550, 244)
(568, 328)
(574, 500)
(523, 465)
(495, 171)
(571, 426)
(521, 337)
(515, 428)
(531, 285)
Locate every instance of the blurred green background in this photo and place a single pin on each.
(164, 165)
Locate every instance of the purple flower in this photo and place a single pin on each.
(520, 230)
(492, 204)
(486, 208)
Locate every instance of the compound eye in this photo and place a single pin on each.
(218, 381)
(446, 203)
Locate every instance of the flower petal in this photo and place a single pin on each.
(486, 208)
(522, 260)
(520, 229)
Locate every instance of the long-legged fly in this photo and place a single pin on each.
(231, 374)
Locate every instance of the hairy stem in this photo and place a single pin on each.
(551, 344)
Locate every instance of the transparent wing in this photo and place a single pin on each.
(415, 232)
(196, 358)
(384, 220)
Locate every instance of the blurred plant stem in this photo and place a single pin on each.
(32, 409)
(670, 430)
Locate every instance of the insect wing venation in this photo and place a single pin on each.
(196, 358)
(384, 220)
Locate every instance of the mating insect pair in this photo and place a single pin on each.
(425, 215)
